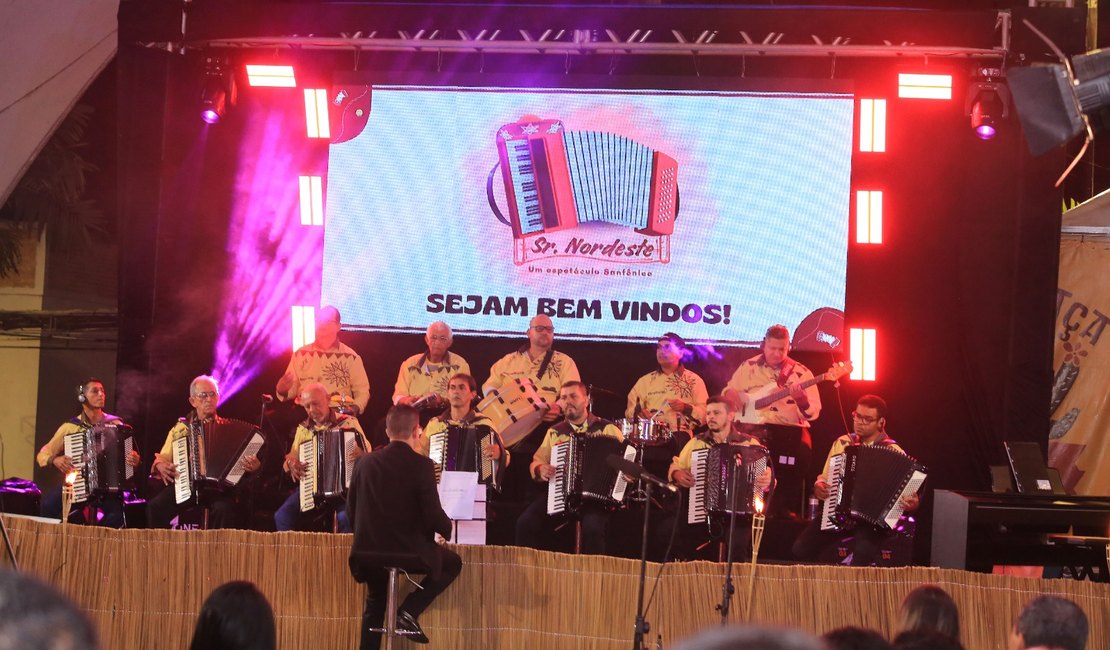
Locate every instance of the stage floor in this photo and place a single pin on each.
(144, 588)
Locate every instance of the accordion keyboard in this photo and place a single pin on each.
(182, 486)
(834, 481)
(557, 486)
(307, 454)
(696, 512)
(74, 449)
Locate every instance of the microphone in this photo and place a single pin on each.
(267, 399)
(637, 471)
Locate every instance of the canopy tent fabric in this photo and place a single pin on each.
(1090, 217)
(52, 50)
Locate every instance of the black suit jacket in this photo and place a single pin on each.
(394, 505)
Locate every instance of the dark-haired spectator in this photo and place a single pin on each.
(925, 640)
(235, 616)
(929, 608)
(34, 616)
(855, 638)
(751, 637)
(1050, 622)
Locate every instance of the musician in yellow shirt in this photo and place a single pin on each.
(315, 400)
(462, 389)
(224, 510)
(534, 523)
(784, 424)
(869, 428)
(422, 379)
(690, 537)
(92, 397)
(672, 395)
(329, 362)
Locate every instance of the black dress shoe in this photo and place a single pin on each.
(409, 627)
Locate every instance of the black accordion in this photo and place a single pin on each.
(582, 474)
(459, 448)
(99, 454)
(209, 457)
(717, 471)
(867, 484)
(328, 466)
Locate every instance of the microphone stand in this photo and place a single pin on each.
(726, 588)
(642, 626)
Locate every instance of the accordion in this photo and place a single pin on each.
(719, 469)
(582, 474)
(460, 449)
(209, 457)
(555, 179)
(867, 484)
(328, 466)
(99, 454)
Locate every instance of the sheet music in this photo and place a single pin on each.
(456, 494)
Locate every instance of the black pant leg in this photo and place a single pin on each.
(161, 509)
(419, 600)
(595, 527)
(812, 541)
(865, 546)
(373, 613)
(532, 523)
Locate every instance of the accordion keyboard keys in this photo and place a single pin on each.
(696, 512)
(307, 453)
(182, 485)
(74, 449)
(557, 486)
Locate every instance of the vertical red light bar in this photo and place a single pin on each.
(869, 217)
(872, 125)
(316, 113)
(312, 201)
(861, 344)
(304, 325)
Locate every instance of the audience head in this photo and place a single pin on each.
(855, 638)
(402, 422)
(1050, 622)
(929, 608)
(236, 616)
(925, 640)
(751, 638)
(34, 616)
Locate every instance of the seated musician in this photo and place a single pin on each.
(533, 524)
(869, 426)
(672, 394)
(224, 509)
(92, 397)
(462, 389)
(689, 538)
(395, 509)
(315, 400)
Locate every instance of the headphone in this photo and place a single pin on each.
(83, 386)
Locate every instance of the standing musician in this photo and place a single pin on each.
(92, 397)
(718, 430)
(315, 400)
(462, 389)
(785, 423)
(672, 394)
(548, 369)
(224, 510)
(331, 363)
(869, 426)
(422, 380)
(534, 521)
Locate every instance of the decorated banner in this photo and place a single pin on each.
(1079, 444)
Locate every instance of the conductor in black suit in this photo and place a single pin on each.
(394, 507)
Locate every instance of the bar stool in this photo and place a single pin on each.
(364, 563)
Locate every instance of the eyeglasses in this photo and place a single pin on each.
(439, 337)
(543, 328)
(864, 419)
(211, 394)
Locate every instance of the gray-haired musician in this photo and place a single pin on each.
(688, 538)
(92, 398)
(531, 527)
(314, 398)
(422, 379)
(869, 428)
(223, 509)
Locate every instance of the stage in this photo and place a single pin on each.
(143, 589)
